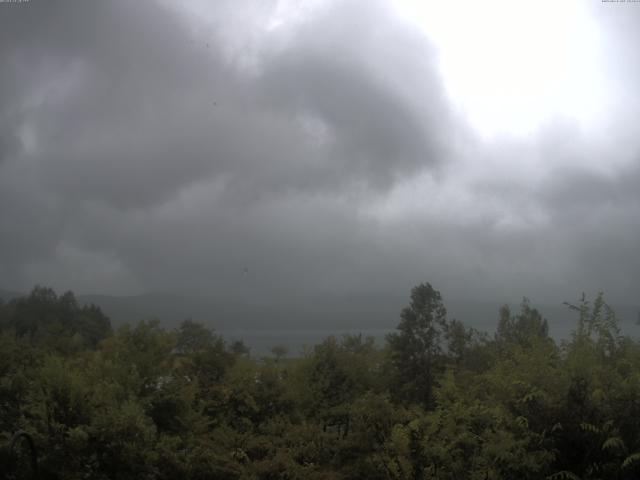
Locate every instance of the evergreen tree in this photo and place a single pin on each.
(416, 350)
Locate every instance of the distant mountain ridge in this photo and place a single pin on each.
(7, 295)
(348, 312)
(225, 314)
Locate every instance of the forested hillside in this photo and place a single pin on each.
(438, 400)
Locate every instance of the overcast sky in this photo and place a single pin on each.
(280, 148)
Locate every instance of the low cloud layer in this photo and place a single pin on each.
(144, 148)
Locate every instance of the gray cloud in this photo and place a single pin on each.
(139, 152)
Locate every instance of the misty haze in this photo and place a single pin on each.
(320, 239)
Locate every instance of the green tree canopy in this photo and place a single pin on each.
(416, 349)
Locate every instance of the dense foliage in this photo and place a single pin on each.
(438, 401)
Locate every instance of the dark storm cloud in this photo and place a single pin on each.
(10, 143)
(124, 111)
(143, 150)
(138, 95)
(121, 107)
(342, 80)
(373, 134)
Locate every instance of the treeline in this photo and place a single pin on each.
(437, 401)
